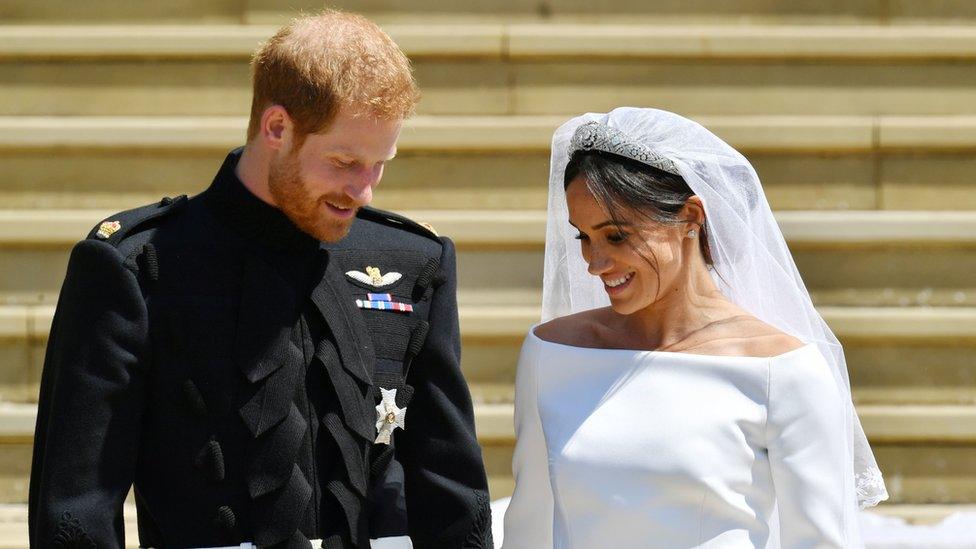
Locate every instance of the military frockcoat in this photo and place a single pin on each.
(229, 366)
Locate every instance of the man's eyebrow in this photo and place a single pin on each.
(341, 151)
(610, 222)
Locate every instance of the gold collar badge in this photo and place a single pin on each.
(108, 228)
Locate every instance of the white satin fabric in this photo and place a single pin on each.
(644, 449)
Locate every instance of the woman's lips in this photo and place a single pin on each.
(616, 290)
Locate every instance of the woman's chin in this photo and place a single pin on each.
(624, 306)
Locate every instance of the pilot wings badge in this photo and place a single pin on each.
(373, 277)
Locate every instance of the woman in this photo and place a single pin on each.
(684, 392)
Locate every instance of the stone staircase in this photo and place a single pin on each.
(859, 115)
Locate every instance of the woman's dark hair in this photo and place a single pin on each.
(622, 184)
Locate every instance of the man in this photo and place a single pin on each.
(255, 375)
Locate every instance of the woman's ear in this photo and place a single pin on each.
(693, 212)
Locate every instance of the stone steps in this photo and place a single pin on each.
(896, 356)
(928, 453)
(864, 109)
(470, 68)
(854, 112)
(741, 11)
(493, 162)
(13, 520)
(116, 179)
(877, 258)
(462, 38)
(882, 424)
(933, 391)
(487, 133)
(923, 471)
(498, 229)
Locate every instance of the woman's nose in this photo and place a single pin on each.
(598, 263)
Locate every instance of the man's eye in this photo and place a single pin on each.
(343, 165)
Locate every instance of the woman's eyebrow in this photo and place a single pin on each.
(610, 222)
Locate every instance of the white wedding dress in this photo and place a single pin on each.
(638, 449)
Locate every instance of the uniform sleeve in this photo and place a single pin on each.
(529, 518)
(808, 454)
(90, 404)
(445, 482)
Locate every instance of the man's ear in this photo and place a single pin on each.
(276, 128)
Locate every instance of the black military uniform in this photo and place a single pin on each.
(212, 354)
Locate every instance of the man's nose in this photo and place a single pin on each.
(360, 189)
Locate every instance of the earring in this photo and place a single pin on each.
(692, 233)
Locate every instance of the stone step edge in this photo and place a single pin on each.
(915, 513)
(901, 324)
(517, 228)
(459, 39)
(33, 322)
(16, 514)
(882, 424)
(495, 390)
(494, 423)
(504, 133)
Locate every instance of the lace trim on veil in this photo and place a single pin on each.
(870, 487)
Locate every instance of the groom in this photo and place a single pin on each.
(270, 361)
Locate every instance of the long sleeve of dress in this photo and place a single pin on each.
(808, 454)
(529, 518)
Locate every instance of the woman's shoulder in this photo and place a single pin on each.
(771, 345)
(744, 336)
(740, 335)
(578, 330)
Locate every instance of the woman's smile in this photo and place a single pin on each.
(617, 284)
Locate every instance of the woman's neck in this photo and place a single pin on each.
(680, 311)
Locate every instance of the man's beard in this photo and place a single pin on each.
(309, 213)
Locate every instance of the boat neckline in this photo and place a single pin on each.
(533, 335)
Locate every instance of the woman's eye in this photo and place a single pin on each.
(581, 236)
(617, 238)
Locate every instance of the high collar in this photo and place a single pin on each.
(257, 221)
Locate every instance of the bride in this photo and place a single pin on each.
(684, 392)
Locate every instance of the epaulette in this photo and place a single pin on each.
(114, 229)
(398, 221)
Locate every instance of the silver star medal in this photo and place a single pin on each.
(388, 416)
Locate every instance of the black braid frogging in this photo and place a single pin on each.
(71, 535)
(480, 535)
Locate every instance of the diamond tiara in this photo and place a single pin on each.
(594, 136)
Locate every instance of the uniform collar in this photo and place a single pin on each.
(251, 217)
